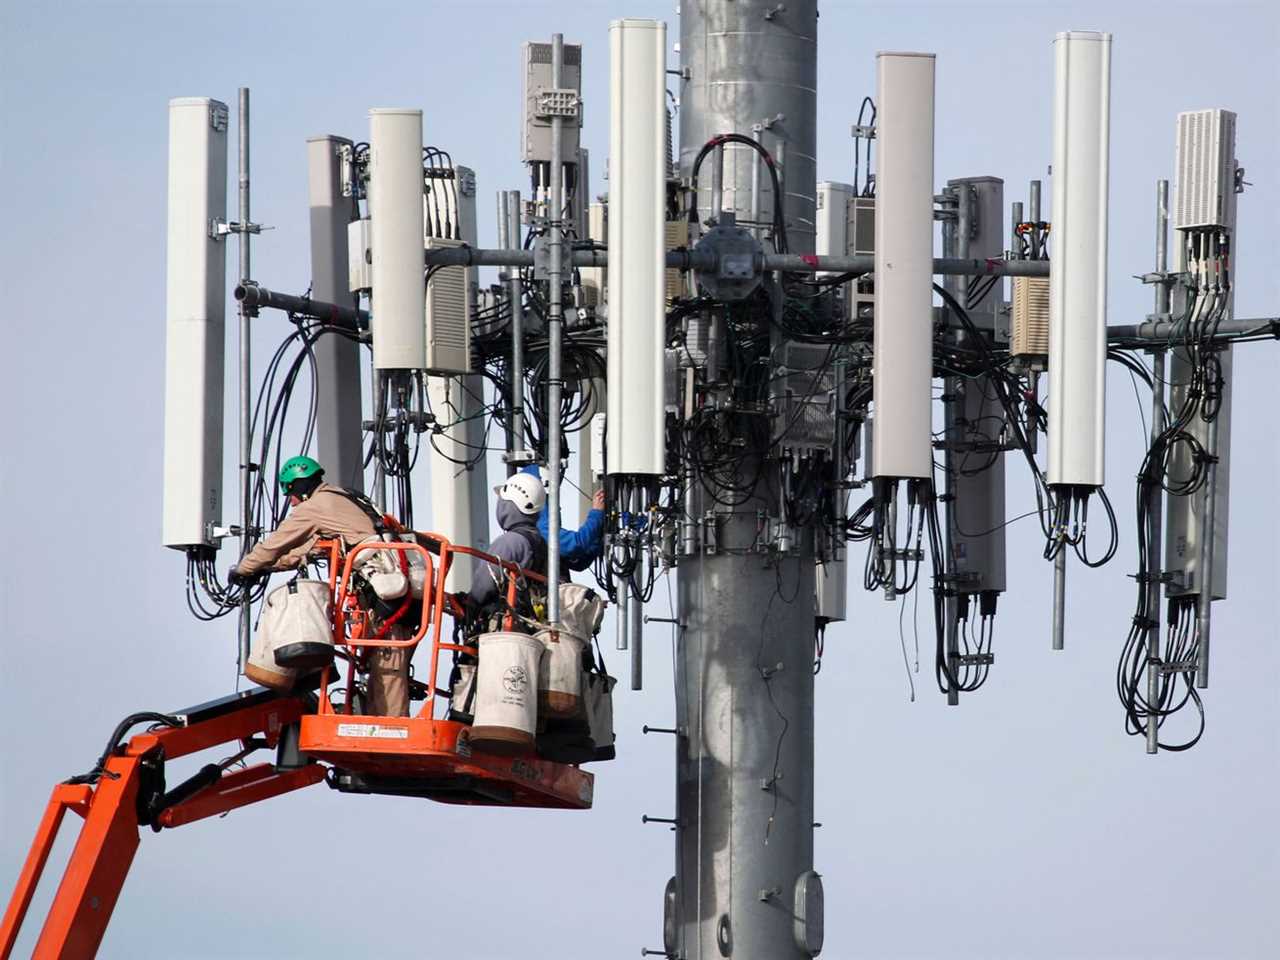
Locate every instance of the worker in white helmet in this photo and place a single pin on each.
(520, 500)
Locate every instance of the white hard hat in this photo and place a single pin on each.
(525, 492)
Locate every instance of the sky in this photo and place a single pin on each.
(1022, 823)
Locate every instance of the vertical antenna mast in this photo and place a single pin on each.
(246, 387)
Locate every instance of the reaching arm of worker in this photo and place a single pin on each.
(580, 548)
(285, 547)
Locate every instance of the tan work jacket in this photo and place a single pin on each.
(327, 514)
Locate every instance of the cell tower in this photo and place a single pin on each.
(732, 351)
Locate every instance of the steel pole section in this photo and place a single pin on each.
(505, 240)
(717, 182)
(516, 294)
(757, 134)
(1205, 572)
(744, 684)
(1033, 208)
(555, 329)
(246, 387)
(1155, 493)
(1059, 596)
(961, 231)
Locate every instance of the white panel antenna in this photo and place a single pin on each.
(594, 279)
(396, 241)
(831, 239)
(831, 589)
(588, 442)
(195, 302)
(637, 255)
(903, 362)
(1078, 277)
(459, 493)
(359, 256)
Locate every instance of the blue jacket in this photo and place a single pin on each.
(578, 548)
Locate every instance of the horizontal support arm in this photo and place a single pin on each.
(259, 297)
(942, 266)
(1157, 329)
(702, 260)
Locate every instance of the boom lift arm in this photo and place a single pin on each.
(126, 791)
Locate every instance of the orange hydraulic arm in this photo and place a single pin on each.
(129, 792)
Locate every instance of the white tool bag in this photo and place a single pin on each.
(298, 612)
(384, 570)
(560, 674)
(506, 701)
(581, 611)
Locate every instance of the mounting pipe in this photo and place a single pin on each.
(258, 297)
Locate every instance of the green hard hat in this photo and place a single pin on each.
(298, 468)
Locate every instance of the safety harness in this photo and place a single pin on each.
(368, 598)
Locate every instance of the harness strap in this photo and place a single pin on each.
(365, 505)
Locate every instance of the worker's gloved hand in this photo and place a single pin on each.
(597, 500)
(465, 603)
(238, 579)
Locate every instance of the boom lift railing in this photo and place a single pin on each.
(351, 621)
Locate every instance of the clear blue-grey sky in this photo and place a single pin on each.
(1021, 824)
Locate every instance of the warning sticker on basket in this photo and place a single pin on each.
(463, 746)
(372, 730)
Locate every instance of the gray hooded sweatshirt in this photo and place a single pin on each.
(509, 545)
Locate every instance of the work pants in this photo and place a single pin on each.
(388, 677)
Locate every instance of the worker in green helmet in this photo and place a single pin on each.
(321, 511)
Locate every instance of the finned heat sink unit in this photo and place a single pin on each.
(448, 315)
(804, 416)
(860, 241)
(677, 236)
(1030, 339)
(1205, 161)
(861, 231)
